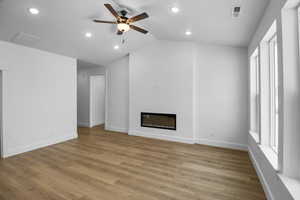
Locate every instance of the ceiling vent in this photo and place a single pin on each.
(25, 39)
(236, 10)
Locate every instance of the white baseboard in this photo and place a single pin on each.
(261, 176)
(223, 144)
(38, 145)
(83, 124)
(116, 129)
(162, 137)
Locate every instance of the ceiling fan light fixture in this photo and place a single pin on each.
(123, 23)
(123, 27)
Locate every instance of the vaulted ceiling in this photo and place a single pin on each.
(61, 25)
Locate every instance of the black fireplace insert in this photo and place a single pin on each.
(158, 120)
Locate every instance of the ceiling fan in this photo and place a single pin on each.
(123, 23)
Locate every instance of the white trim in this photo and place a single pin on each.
(106, 96)
(223, 144)
(83, 124)
(38, 145)
(255, 136)
(161, 137)
(116, 129)
(3, 132)
(90, 102)
(270, 155)
(292, 4)
(1, 113)
(293, 185)
(95, 125)
(271, 31)
(261, 176)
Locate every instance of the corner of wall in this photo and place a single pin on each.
(40, 144)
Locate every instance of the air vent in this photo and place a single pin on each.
(236, 11)
(25, 39)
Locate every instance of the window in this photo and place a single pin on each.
(269, 96)
(255, 93)
(274, 115)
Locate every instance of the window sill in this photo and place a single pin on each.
(271, 156)
(255, 136)
(292, 184)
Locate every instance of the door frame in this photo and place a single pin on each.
(91, 99)
(3, 113)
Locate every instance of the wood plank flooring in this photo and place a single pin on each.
(103, 165)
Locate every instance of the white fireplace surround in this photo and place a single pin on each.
(199, 83)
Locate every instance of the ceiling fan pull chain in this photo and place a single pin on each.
(123, 39)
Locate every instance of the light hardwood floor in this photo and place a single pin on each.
(103, 165)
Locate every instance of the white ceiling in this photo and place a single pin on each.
(61, 24)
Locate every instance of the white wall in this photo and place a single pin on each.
(272, 13)
(85, 70)
(205, 85)
(223, 90)
(161, 81)
(117, 74)
(39, 98)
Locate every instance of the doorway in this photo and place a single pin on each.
(97, 100)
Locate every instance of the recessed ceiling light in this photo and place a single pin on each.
(188, 33)
(88, 34)
(34, 11)
(175, 9)
(116, 47)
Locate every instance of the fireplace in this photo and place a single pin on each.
(158, 120)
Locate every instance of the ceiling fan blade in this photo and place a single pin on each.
(138, 17)
(112, 10)
(105, 22)
(138, 29)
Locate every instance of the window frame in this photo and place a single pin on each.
(274, 93)
(255, 91)
(257, 81)
(265, 124)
